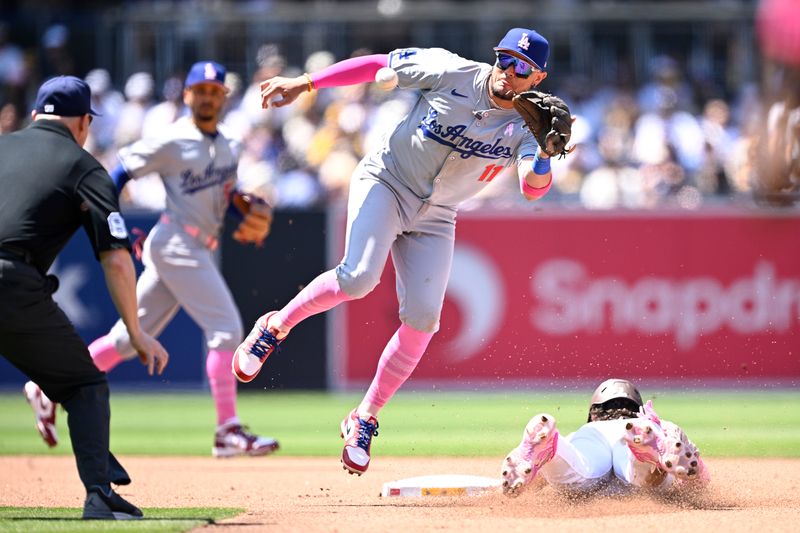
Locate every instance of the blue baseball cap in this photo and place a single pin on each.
(528, 43)
(65, 96)
(205, 72)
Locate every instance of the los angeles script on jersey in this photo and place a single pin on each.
(191, 182)
(453, 136)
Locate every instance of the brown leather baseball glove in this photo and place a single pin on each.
(548, 118)
(256, 221)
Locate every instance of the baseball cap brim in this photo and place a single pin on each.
(516, 54)
(209, 82)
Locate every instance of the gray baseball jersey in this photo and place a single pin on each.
(199, 173)
(453, 142)
(403, 197)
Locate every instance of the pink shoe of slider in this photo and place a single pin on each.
(644, 439)
(44, 411)
(681, 457)
(357, 434)
(537, 448)
(254, 350)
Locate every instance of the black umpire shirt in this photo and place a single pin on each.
(49, 187)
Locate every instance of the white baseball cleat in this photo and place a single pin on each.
(644, 439)
(681, 457)
(44, 411)
(537, 448)
(254, 350)
(357, 433)
(666, 446)
(234, 439)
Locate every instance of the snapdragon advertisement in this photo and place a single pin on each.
(660, 296)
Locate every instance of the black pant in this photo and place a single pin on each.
(38, 338)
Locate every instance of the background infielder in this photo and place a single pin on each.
(624, 444)
(462, 131)
(197, 162)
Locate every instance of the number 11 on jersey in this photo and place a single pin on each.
(490, 172)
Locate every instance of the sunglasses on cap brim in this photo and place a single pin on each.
(522, 69)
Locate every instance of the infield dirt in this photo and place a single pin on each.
(315, 494)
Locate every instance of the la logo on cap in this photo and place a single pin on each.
(210, 72)
(49, 108)
(523, 42)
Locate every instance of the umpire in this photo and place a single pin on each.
(51, 186)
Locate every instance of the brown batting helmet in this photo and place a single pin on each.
(616, 388)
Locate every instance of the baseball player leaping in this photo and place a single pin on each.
(624, 445)
(197, 162)
(462, 131)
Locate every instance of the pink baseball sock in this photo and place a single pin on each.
(223, 384)
(321, 294)
(397, 362)
(104, 354)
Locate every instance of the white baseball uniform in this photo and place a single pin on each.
(595, 457)
(199, 173)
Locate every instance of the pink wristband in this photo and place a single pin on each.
(535, 192)
(350, 71)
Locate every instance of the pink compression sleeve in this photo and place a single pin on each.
(397, 362)
(350, 71)
(222, 384)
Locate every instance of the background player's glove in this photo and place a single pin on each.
(256, 221)
(548, 118)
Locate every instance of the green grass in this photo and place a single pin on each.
(63, 520)
(721, 423)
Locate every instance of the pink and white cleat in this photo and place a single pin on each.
(681, 457)
(357, 433)
(537, 448)
(664, 444)
(643, 437)
(647, 411)
(44, 411)
(234, 439)
(254, 350)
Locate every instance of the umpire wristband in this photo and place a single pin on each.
(541, 166)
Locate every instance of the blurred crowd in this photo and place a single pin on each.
(663, 143)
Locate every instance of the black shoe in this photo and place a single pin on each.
(105, 504)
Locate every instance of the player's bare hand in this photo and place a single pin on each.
(280, 91)
(151, 353)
